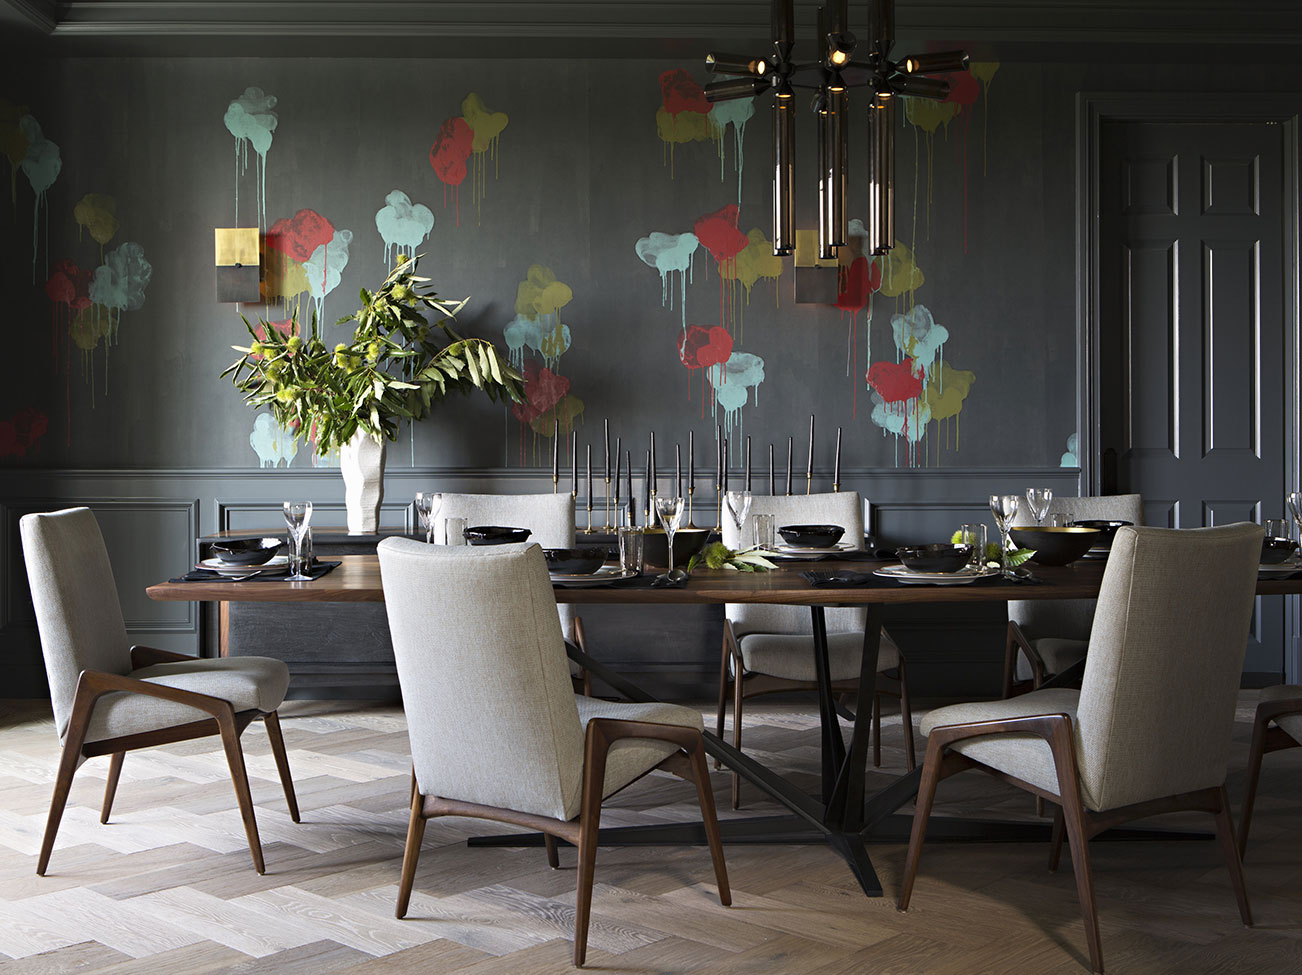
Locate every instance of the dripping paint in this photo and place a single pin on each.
(251, 121)
(274, 445)
(37, 158)
(669, 253)
(305, 254)
(403, 225)
(685, 116)
(97, 214)
(473, 138)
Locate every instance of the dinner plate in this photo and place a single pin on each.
(226, 569)
(604, 575)
(782, 548)
(1277, 569)
(902, 573)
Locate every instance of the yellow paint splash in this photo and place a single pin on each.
(681, 128)
(487, 126)
(945, 396)
(984, 72)
(900, 272)
(13, 141)
(540, 293)
(98, 214)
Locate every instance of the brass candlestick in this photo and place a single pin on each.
(608, 524)
(690, 492)
(809, 482)
(588, 530)
(556, 481)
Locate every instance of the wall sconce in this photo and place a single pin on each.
(237, 264)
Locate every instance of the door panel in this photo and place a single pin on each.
(1192, 374)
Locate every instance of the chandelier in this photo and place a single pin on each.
(830, 77)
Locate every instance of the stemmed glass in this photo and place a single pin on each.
(1004, 508)
(1038, 499)
(428, 504)
(297, 516)
(1295, 509)
(738, 503)
(670, 513)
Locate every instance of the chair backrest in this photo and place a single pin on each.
(484, 677)
(841, 508)
(1162, 675)
(1070, 619)
(76, 602)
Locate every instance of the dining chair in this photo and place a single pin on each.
(496, 730)
(772, 647)
(1046, 636)
(550, 520)
(110, 698)
(1149, 730)
(1281, 707)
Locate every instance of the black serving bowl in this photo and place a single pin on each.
(1056, 545)
(247, 551)
(1276, 550)
(687, 542)
(1107, 529)
(934, 558)
(574, 561)
(495, 535)
(811, 536)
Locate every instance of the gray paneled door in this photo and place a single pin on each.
(1192, 340)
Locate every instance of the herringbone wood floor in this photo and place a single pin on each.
(168, 887)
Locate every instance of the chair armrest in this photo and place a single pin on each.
(94, 683)
(604, 732)
(1017, 638)
(146, 656)
(1268, 711)
(1051, 727)
(730, 641)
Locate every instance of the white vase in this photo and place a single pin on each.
(361, 461)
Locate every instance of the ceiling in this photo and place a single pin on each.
(654, 28)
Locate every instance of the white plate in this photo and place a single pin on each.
(1277, 569)
(902, 573)
(782, 548)
(604, 575)
(226, 569)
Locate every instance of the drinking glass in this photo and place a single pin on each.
(1277, 528)
(1061, 519)
(738, 503)
(298, 514)
(1004, 508)
(630, 549)
(765, 534)
(1037, 499)
(454, 531)
(427, 506)
(1295, 507)
(670, 513)
(974, 535)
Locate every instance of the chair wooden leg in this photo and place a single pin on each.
(921, 812)
(1255, 754)
(710, 820)
(594, 777)
(1074, 816)
(1055, 840)
(1225, 834)
(877, 731)
(111, 785)
(1010, 666)
(240, 779)
(906, 718)
(411, 853)
(272, 722)
(736, 737)
(68, 761)
(553, 855)
(723, 691)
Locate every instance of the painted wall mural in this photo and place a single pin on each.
(250, 119)
(274, 445)
(685, 116)
(22, 432)
(403, 225)
(472, 136)
(39, 159)
(304, 254)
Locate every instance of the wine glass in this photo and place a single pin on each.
(670, 513)
(1004, 508)
(1038, 499)
(1295, 507)
(428, 504)
(738, 503)
(298, 514)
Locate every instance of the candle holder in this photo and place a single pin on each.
(809, 482)
(609, 526)
(588, 530)
(690, 492)
(556, 482)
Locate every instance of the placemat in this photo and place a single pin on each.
(319, 568)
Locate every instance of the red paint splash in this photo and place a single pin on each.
(297, 237)
(543, 390)
(701, 347)
(895, 381)
(452, 147)
(856, 282)
(69, 286)
(22, 432)
(285, 327)
(681, 93)
(718, 232)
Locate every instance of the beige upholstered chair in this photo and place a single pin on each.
(550, 518)
(772, 647)
(1280, 706)
(1046, 636)
(1149, 730)
(109, 699)
(496, 730)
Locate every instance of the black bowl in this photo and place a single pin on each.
(1056, 545)
(687, 542)
(574, 561)
(934, 558)
(1107, 529)
(247, 551)
(811, 536)
(495, 535)
(1276, 550)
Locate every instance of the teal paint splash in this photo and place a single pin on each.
(41, 165)
(325, 267)
(251, 120)
(668, 253)
(403, 225)
(735, 113)
(273, 444)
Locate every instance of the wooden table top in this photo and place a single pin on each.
(357, 580)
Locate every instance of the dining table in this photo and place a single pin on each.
(845, 815)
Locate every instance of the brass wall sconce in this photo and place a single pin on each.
(238, 270)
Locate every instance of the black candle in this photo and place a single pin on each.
(747, 463)
(646, 490)
(556, 450)
(691, 461)
(718, 459)
(809, 467)
(617, 459)
(589, 494)
(651, 465)
(678, 470)
(725, 467)
(790, 444)
(632, 502)
(773, 479)
(574, 463)
(836, 468)
(607, 434)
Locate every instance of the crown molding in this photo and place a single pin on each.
(41, 14)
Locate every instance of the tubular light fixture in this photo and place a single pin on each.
(884, 77)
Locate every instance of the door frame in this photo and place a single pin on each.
(1092, 110)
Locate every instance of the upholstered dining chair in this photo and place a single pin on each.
(1046, 636)
(772, 647)
(496, 730)
(1276, 725)
(109, 700)
(549, 518)
(1149, 730)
